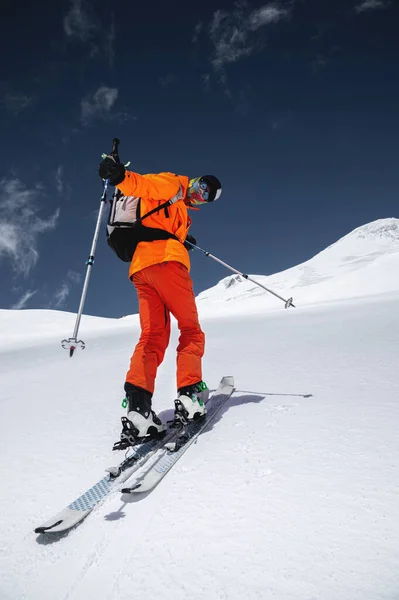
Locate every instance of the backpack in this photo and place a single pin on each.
(125, 229)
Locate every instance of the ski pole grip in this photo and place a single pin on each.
(115, 149)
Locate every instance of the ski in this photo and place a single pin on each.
(78, 510)
(172, 450)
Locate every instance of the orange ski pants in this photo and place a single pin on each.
(162, 289)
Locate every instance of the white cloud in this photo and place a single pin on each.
(370, 5)
(81, 23)
(98, 105)
(20, 225)
(232, 32)
(78, 23)
(21, 303)
(265, 15)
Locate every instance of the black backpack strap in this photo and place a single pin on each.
(164, 205)
(154, 210)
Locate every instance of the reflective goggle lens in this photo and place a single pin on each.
(199, 192)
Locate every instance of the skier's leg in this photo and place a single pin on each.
(174, 286)
(147, 356)
(155, 333)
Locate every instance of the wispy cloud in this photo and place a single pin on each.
(197, 32)
(59, 179)
(206, 78)
(229, 35)
(319, 63)
(269, 13)
(78, 23)
(61, 294)
(13, 102)
(21, 303)
(16, 103)
(20, 224)
(99, 105)
(74, 276)
(370, 5)
(109, 44)
(232, 32)
(82, 24)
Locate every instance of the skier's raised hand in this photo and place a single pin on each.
(112, 170)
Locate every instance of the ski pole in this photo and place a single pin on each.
(72, 343)
(287, 303)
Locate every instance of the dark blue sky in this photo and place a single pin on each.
(293, 105)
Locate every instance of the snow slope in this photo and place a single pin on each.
(363, 263)
(28, 328)
(292, 495)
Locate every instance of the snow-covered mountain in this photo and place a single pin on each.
(363, 263)
(292, 494)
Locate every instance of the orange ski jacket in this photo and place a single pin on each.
(153, 190)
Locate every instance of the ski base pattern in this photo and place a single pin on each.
(77, 510)
(172, 450)
(82, 506)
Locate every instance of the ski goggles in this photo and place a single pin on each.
(198, 191)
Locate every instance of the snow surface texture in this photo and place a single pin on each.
(291, 495)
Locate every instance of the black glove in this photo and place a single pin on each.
(114, 171)
(190, 238)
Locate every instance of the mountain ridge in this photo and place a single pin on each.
(361, 263)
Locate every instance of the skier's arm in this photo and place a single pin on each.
(161, 186)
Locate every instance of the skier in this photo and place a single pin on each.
(159, 271)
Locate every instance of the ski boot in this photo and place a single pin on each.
(190, 403)
(141, 423)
